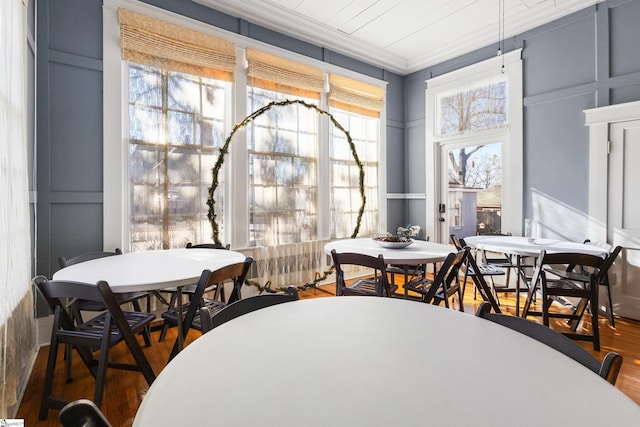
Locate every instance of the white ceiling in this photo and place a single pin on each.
(402, 36)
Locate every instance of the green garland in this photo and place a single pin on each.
(225, 149)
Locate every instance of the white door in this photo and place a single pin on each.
(624, 216)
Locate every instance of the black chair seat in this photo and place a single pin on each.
(171, 316)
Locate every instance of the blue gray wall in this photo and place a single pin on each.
(69, 126)
(588, 59)
(585, 60)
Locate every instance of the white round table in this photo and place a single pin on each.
(366, 361)
(520, 246)
(149, 270)
(419, 252)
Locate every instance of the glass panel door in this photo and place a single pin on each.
(471, 189)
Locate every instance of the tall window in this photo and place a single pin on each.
(356, 106)
(178, 82)
(176, 126)
(283, 154)
(345, 189)
(283, 151)
(474, 137)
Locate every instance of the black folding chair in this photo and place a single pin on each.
(101, 333)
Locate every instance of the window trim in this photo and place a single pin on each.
(511, 135)
(115, 144)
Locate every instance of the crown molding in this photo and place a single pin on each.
(299, 27)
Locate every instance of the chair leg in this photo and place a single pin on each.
(48, 378)
(68, 351)
(101, 370)
(146, 335)
(165, 326)
(612, 322)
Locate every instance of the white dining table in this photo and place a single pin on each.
(419, 252)
(366, 361)
(526, 247)
(151, 270)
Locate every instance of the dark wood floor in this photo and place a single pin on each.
(124, 390)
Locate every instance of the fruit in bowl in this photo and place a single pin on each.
(393, 239)
(393, 242)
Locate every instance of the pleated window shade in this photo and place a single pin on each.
(354, 96)
(153, 42)
(282, 75)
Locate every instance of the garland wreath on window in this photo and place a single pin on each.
(225, 149)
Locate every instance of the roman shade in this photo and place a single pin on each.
(150, 41)
(355, 96)
(282, 75)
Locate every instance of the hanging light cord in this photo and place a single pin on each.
(501, 32)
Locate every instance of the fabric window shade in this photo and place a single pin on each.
(354, 96)
(149, 41)
(282, 75)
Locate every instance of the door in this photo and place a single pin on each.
(624, 216)
(470, 189)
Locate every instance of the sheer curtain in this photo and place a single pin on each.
(17, 337)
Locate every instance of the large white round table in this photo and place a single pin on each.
(149, 270)
(367, 361)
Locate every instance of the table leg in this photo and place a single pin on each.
(406, 278)
(180, 320)
(519, 273)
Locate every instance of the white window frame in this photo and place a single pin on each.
(115, 151)
(510, 136)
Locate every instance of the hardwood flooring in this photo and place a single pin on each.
(125, 390)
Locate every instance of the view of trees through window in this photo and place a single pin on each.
(282, 171)
(176, 126)
(475, 170)
(344, 174)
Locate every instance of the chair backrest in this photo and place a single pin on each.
(236, 272)
(58, 291)
(243, 306)
(377, 264)
(457, 242)
(64, 262)
(608, 369)
(82, 413)
(208, 246)
(607, 263)
(593, 262)
(447, 276)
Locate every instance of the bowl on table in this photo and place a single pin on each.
(393, 242)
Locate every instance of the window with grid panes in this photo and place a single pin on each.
(176, 126)
(283, 162)
(344, 173)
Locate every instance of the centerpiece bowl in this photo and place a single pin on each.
(393, 242)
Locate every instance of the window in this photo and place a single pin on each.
(279, 169)
(481, 105)
(345, 188)
(176, 126)
(283, 168)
